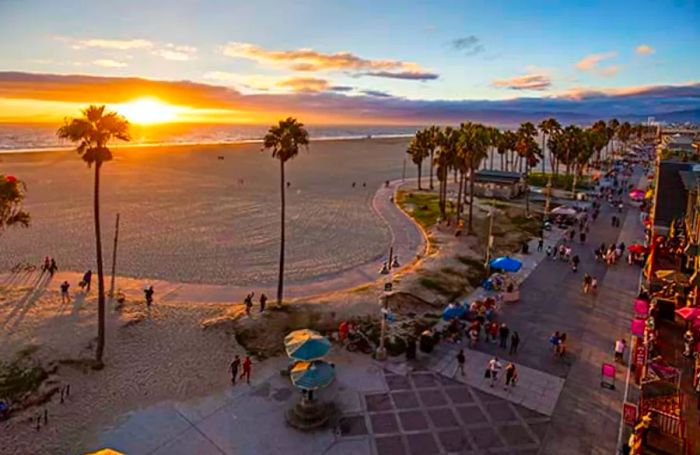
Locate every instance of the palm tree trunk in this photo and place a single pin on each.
(502, 163)
(420, 165)
(544, 153)
(431, 170)
(459, 194)
(100, 271)
(470, 230)
(492, 150)
(527, 189)
(280, 281)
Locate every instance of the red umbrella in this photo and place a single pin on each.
(637, 248)
(688, 313)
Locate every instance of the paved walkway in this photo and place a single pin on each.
(407, 239)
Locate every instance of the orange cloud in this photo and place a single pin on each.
(108, 63)
(526, 82)
(590, 62)
(644, 49)
(176, 53)
(312, 60)
(114, 44)
(304, 84)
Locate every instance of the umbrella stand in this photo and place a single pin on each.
(309, 414)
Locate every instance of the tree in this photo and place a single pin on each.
(474, 140)
(624, 133)
(93, 132)
(613, 126)
(419, 149)
(548, 127)
(433, 136)
(528, 149)
(443, 162)
(284, 140)
(506, 143)
(600, 137)
(494, 140)
(11, 196)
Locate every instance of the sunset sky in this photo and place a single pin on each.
(346, 61)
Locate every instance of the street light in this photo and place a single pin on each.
(384, 306)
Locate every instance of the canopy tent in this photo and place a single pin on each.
(452, 311)
(506, 263)
(688, 313)
(312, 375)
(306, 344)
(637, 248)
(637, 194)
(563, 210)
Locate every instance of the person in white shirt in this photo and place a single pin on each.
(620, 347)
(494, 368)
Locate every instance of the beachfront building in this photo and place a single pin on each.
(672, 183)
(679, 146)
(498, 184)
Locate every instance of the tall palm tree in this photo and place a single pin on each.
(507, 141)
(548, 127)
(92, 132)
(284, 140)
(600, 137)
(474, 140)
(444, 160)
(494, 139)
(433, 136)
(419, 149)
(613, 126)
(624, 133)
(529, 150)
(11, 196)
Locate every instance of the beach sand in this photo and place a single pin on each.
(187, 216)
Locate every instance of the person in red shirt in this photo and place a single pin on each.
(247, 364)
(343, 330)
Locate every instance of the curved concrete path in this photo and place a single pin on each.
(407, 239)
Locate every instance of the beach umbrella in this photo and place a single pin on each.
(688, 313)
(637, 248)
(105, 452)
(306, 344)
(312, 375)
(506, 263)
(453, 311)
(563, 210)
(671, 275)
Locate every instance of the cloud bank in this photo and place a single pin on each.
(326, 105)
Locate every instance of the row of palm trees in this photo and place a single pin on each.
(96, 128)
(464, 149)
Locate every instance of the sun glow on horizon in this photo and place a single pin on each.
(148, 111)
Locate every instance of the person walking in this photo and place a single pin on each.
(493, 331)
(540, 244)
(148, 294)
(586, 283)
(65, 297)
(247, 366)
(248, 301)
(263, 302)
(594, 285)
(554, 340)
(548, 251)
(53, 267)
(574, 263)
(460, 362)
(514, 342)
(582, 237)
(493, 368)
(562, 344)
(87, 279)
(233, 369)
(511, 376)
(620, 347)
(503, 333)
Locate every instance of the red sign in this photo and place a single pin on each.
(640, 354)
(629, 413)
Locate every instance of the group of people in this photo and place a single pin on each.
(248, 302)
(493, 370)
(493, 332)
(84, 284)
(49, 266)
(609, 254)
(246, 365)
(558, 342)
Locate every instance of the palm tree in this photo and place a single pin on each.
(506, 143)
(613, 126)
(418, 148)
(529, 150)
(11, 196)
(474, 140)
(548, 127)
(284, 139)
(624, 133)
(433, 138)
(494, 139)
(92, 132)
(600, 137)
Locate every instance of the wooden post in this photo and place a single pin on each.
(114, 258)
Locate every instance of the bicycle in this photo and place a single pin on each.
(23, 267)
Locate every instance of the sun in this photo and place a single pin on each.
(147, 111)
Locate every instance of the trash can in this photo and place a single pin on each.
(426, 342)
(411, 349)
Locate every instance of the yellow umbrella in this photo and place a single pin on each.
(649, 194)
(105, 452)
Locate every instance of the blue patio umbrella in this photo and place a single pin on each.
(453, 311)
(312, 375)
(506, 263)
(306, 344)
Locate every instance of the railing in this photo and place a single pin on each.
(667, 423)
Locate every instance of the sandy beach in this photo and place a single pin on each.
(187, 216)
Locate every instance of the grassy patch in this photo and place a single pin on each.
(20, 377)
(471, 262)
(560, 181)
(532, 226)
(423, 207)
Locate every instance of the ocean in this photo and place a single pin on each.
(40, 137)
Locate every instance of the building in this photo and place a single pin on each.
(498, 184)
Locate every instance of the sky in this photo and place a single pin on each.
(348, 61)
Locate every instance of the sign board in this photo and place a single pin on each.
(629, 413)
(640, 354)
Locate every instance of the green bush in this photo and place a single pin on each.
(559, 181)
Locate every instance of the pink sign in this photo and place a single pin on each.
(638, 327)
(641, 307)
(608, 370)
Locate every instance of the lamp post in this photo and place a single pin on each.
(380, 354)
(548, 195)
(489, 242)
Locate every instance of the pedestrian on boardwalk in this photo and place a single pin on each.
(233, 369)
(540, 244)
(247, 365)
(572, 233)
(582, 237)
(492, 370)
(503, 333)
(511, 376)
(554, 340)
(562, 344)
(148, 294)
(248, 302)
(493, 331)
(65, 297)
(263, 302)
(594, 285)
(473, 336)
(620, 347)
(514, 342)
(586, 283)
(574, 263)
(87, 279)
(460, 362)
(548, 251)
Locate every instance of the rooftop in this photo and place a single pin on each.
(671, 193)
